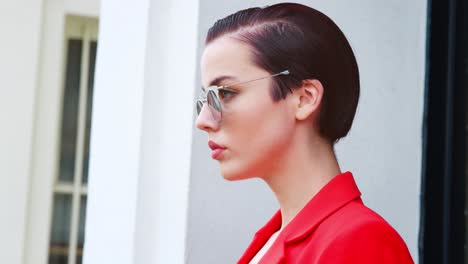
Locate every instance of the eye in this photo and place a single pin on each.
(225, 94)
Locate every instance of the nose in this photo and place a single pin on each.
(206, 121)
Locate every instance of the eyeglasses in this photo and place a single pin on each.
(213, 93)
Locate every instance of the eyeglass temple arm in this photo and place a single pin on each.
(286, 72)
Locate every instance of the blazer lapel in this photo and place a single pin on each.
(341, 190)
(335, 194)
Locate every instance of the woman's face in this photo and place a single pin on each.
(254, 130)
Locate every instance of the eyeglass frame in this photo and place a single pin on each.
(202, 100)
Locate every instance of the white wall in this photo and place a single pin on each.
(82, 7)
(383, 149)
(20, 24)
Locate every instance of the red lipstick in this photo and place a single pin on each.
(216, 149)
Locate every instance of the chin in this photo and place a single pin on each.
(234, 173)
(234, 176)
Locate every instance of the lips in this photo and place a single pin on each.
(214, 146)
(217, 150)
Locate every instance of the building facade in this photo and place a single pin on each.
(99, 145)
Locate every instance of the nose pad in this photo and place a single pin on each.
(207, 120)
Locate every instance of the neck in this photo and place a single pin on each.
(302, 172)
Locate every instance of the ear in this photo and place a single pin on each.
(310, 95)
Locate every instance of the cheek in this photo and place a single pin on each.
(259, 136)
(269, 136)
(266, 123)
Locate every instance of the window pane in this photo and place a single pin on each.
(56, 259)
(60, 235)
(70, 110)
(89, 108)
(81, 229)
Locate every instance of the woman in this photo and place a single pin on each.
(281, 87)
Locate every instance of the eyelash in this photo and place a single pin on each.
(225, 94)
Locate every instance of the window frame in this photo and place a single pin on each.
(85, 29)
(46, 134)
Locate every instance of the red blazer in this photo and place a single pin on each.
(334, 227)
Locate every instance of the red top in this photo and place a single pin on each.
(334, 227)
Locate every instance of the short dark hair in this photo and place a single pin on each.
(308, 44)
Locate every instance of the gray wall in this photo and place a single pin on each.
(383, 149)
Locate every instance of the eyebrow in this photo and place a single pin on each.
(216, 81)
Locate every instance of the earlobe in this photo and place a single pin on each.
(310, 95)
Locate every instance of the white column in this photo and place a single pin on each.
(116, 132)
(167, 132)
(141, 132)
(20, 24)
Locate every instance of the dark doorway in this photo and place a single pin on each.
(445, 132)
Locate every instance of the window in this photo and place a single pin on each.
(70, 188)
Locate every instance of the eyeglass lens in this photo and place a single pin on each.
(213, 103)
